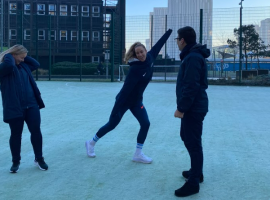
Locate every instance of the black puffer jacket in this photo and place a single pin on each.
(192, 79)
(11, 86)
(139, 75)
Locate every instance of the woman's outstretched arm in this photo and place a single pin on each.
(157, 47)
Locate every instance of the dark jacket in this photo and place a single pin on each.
(192, 79)
(139, 75)
(11, 86)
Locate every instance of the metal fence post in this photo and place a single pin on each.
(80, 47)
(240, 44)
(37, 44)
(21, 27)
(165, 48)
(201, 25)
(112, 47)
(2, 25)
(121, 42)
(50, 49)
(152, 19)
(165, 74)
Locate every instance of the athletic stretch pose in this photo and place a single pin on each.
(21, 102)
(131, 96)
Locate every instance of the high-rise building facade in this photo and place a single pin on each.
(158, 25)
(180, 13)
(265, 31)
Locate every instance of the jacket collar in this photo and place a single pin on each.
(186, 50)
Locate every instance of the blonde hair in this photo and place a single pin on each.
(131, 52)
(14, 50)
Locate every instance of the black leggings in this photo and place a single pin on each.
(32, 118)
(138, 111)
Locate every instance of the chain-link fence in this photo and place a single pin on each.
(71, 40)
(214, 28)
(80, 46)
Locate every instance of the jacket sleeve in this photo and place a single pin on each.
(31, 62)
(157, 47)
(130, 82)
(7, 66)
(191, 83)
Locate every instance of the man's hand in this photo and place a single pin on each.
(178, 114)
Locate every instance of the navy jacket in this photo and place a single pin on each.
(139, 75)
(192, 79)
(11, 86)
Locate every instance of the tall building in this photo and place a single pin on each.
(158, 25)
(265, 31)
(66, 30)
(182, 13)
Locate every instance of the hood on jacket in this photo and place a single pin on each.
(202, 49)
(132, 60)
(138, 67)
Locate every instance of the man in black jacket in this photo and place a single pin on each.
(192, 104)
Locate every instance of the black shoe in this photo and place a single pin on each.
(186, 190)
(15, 167)
(41, 164)
(185, 174)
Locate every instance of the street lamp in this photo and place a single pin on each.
(240, 43)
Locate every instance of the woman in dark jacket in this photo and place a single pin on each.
(130, 96)
(21, 102)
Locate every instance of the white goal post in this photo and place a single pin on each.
(122, 73)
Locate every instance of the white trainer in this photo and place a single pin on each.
(90, 149)
(140, 157)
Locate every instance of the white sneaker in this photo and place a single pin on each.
(142, 158)
(90, 149)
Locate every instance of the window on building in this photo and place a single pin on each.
(41, 9)
(74, 10)
(12, 34)
(108, 17)
(27, 34)
(41, 34)
(107, 20)
(52, 35)
(12, 8)
(63, 35)
(95, 36)
(85, 11)
(74, 35)
(85, 35)
(52, 9)
(27, 8)
(95, 59)
(95, 11)
(63, 10)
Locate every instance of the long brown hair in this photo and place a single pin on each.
(14, 50)
(131, 52)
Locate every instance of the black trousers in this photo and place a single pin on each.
(32, 118)
(138, 111)
(191, 134)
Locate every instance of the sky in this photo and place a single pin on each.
(140, 7)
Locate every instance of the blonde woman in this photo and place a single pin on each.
(21, 102)
(130, 96)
